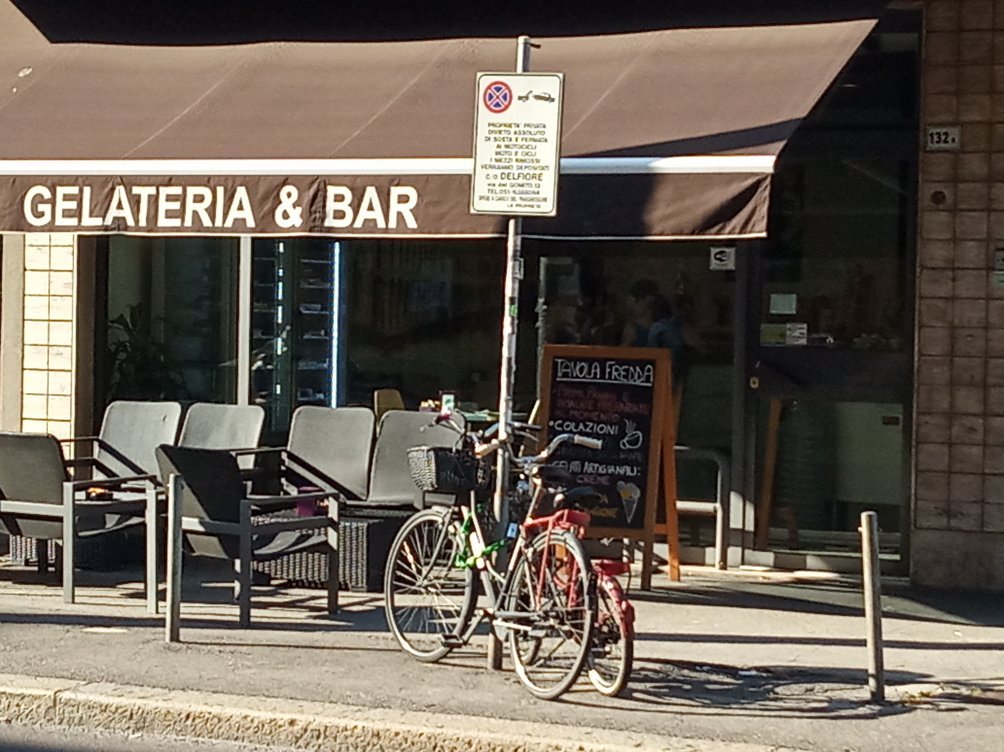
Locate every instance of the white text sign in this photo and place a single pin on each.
(517, 142)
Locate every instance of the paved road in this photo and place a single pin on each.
(739, 660)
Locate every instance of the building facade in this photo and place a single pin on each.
(958, 515)
(852, 358)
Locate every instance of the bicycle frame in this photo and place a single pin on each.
(495, 585)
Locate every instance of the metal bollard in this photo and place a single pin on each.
(870, 571)
(172, 619)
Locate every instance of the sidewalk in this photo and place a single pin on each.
(736, 662)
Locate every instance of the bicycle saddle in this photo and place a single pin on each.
(550, 475)
(582, 497)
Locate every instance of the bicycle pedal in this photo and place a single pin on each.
(451, 641)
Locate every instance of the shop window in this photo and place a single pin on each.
(334, 320)
(170, 327)
(585, 298)
(842, 213)
(424, 317)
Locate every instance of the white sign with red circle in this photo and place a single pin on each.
(497, 97)
(517, 144)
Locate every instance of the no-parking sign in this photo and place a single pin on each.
(517, 143)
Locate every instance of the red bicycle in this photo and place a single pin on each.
(611, 653)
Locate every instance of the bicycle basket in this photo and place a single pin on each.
(444, 470)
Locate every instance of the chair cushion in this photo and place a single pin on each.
(131, 431)
(332, 444)
(215, 426)
(390, 475)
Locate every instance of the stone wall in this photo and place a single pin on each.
(958, 516)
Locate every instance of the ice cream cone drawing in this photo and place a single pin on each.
(633, 437)
(629, 493)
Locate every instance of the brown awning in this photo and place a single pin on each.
(667, 134)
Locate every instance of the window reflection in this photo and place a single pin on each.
(169, 330)
(424, 317)
(334, 320)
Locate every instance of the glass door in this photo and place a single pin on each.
(632, 294)
(830, 357)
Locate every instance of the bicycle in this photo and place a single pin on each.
(611, 654)
(440, 563)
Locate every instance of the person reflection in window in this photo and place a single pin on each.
(653, 324)
(666, 331)
(639, 313)
(598, 323)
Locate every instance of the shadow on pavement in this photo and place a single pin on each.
(781, 692)
(736, 639)
(834, 598)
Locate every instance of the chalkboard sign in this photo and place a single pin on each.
(620, 395)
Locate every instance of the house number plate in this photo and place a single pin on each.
(944, 138)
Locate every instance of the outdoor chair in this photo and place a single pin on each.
(38, 499)
(209, 425)
(391, 488)
(219, 520)
(130, 432)
(329, 448)
(385, 400)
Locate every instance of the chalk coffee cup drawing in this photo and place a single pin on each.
(633, 437)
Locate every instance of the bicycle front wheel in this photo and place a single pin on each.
(551, 589)
(426, 597)
(612, 651)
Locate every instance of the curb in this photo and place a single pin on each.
(41, 701)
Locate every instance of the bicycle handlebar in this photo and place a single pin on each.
(557, 441)
(587, 442)
(483, 449)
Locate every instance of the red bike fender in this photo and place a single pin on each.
(612, 586)
(627, 608)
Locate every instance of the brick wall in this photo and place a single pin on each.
(958, 520)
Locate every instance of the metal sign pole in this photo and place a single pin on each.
(507, 376)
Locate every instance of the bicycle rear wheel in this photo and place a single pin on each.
(425, 596)
(551, 586)
(612, 652)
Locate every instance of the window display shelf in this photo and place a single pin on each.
(294, 290)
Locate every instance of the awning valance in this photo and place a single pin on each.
(667, 134)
